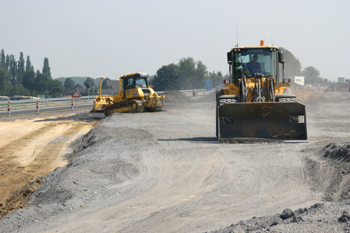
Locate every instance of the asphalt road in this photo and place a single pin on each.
(43, 109)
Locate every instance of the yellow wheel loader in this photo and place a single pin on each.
(134, 95)
(255, 104)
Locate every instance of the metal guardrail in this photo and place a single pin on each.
(23, 101)
(48, 100)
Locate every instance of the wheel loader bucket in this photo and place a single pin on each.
(272, 121)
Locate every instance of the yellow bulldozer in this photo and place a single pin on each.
(134, 95)
(255, 104)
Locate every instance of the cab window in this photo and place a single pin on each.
(129, 83)
(141, 82)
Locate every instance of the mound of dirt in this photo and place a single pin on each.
(18, 198)
(335, 165)
(326, 97)
(31, 149)
(329, 172)
(176, 97)
(302, 95)
(207, 98)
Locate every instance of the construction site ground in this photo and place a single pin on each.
(166, 172)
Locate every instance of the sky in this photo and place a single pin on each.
(111, 38)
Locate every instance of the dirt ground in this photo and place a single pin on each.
(30, 149)
(165, 172)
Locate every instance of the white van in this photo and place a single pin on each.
(4, 98)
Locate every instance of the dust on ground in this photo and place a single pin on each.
(328, 172)
(117, 164)
(176, 97)
(30, 147)
(302, 95)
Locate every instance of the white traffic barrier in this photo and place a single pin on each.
(72, 105)
(37, 106)
(8, 108)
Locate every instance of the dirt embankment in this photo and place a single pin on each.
(328, 172)
(30, 149)
(165, 172)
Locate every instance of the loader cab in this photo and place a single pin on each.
(241, 61)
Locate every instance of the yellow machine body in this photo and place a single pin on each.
(255, 104)
(134, 95)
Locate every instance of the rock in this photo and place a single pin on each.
(300, 211)
(287, 213)
(297, 218)
(317, 205)
(345, 217)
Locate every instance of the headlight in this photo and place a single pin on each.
(135, 93)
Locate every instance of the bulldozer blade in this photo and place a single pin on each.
(98, 107)
(271, 121)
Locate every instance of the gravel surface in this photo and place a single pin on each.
(165, 172)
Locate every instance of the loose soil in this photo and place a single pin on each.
(30, 149)
(165, 172)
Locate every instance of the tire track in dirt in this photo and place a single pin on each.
(44, 159)
(18, 181)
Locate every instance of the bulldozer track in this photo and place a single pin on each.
(127, 106)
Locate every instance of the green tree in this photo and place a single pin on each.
(13, 70)
(68, 84)
(29, 80)
(42, 82)
(29, 65)
(89, 82)
(104, 83)
(312, 75)
(216, 78)
(17, 89)
(201, 73)
(46, 68)
(20, 69)
(55, 88)
(187, 72)
(7, 63)
(2, 59)
(167, 78)
(4, 80)
(292, 66)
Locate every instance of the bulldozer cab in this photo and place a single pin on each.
(133, 81)
(137, 80)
